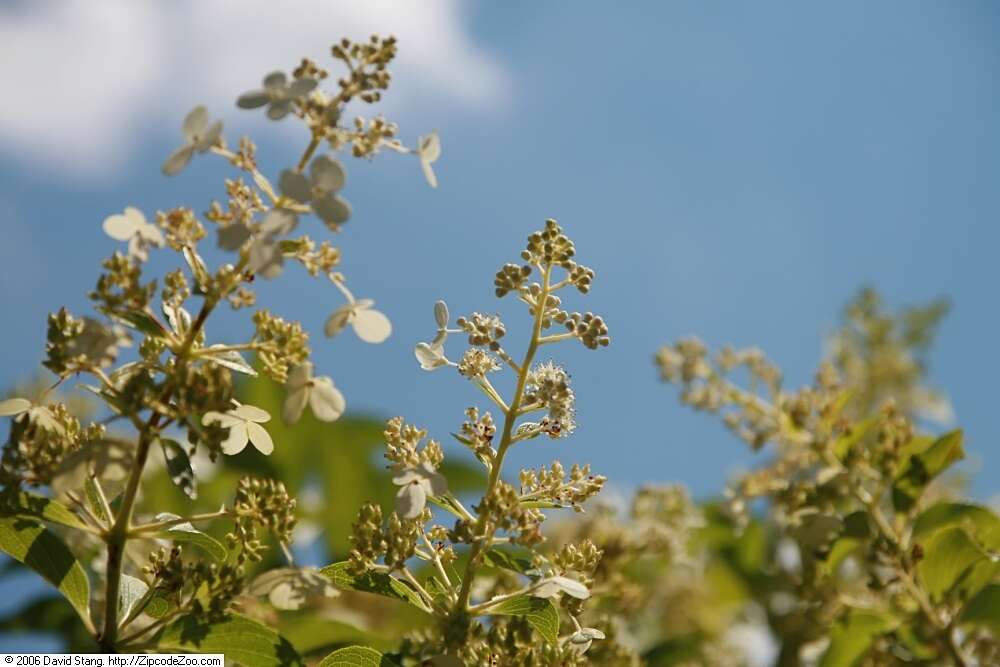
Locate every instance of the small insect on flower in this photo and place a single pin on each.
(132, 226)
(244, 424)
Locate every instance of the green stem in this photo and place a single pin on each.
(506, 438)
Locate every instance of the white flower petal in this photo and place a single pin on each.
(441, 314)
(14, 406)
(372, 326)
(429, 173)
(120, 227)
(326, 401)
(429, 356)
(406, 476)
(436, 484)
(327, 174)
(295, 403)
(224, 420)
(237, 440)
(260, 438)
(233, 235)
(209, 137)
(279, 222)
(296, 186)
(253, 100)
(430, 147)
(333, 210)
(300, 87)
(299, 376)
(194, 123)
(275, 82)
(410, 501)
(336, 322)
(252, 413)
(554, 585)
(177, 160)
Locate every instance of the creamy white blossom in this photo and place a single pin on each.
(39, 414)
(431, 355)
(326, 178)
(244, 424)
(277, 94)
(132, 227)
(199, 136)
(416, 484)
(580, 641)
(319, 393)
(553, 586)
(371, 326)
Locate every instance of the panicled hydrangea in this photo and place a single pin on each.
(319, 393)
(277, 94)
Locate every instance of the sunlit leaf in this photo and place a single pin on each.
(540, 613)
(356, 656)
(371, 582)
(32, 544)
(243, 641)
(923, 466)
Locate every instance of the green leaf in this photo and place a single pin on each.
(977, 520)
(22, 503)
(853, 635)
(515, 561)
(130, 591)
(142, 321)
(185, 532)
(923, 466)
(179, 467)
(93, 496)
(244, 641)
(539, 612)
(948, 554)
(842, 446)
(230, 359)
(356, 656)
(371, 582)
(984, 609)
(32, 544)
(543, 505)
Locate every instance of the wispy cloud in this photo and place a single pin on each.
(84, 79)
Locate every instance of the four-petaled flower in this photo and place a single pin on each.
(324, 399)
(133, 227)
(429, 150)
(326, 178)
(431, 355)
(199, 136)
(244, 424)
(277, 93)
(580, 641)
(39, 414)
(371, 326)
(416, 484)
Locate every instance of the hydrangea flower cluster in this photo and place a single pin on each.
(164, 379)
(523, 594)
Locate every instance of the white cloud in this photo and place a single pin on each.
(84, 79)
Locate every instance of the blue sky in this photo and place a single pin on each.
(730, 170)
